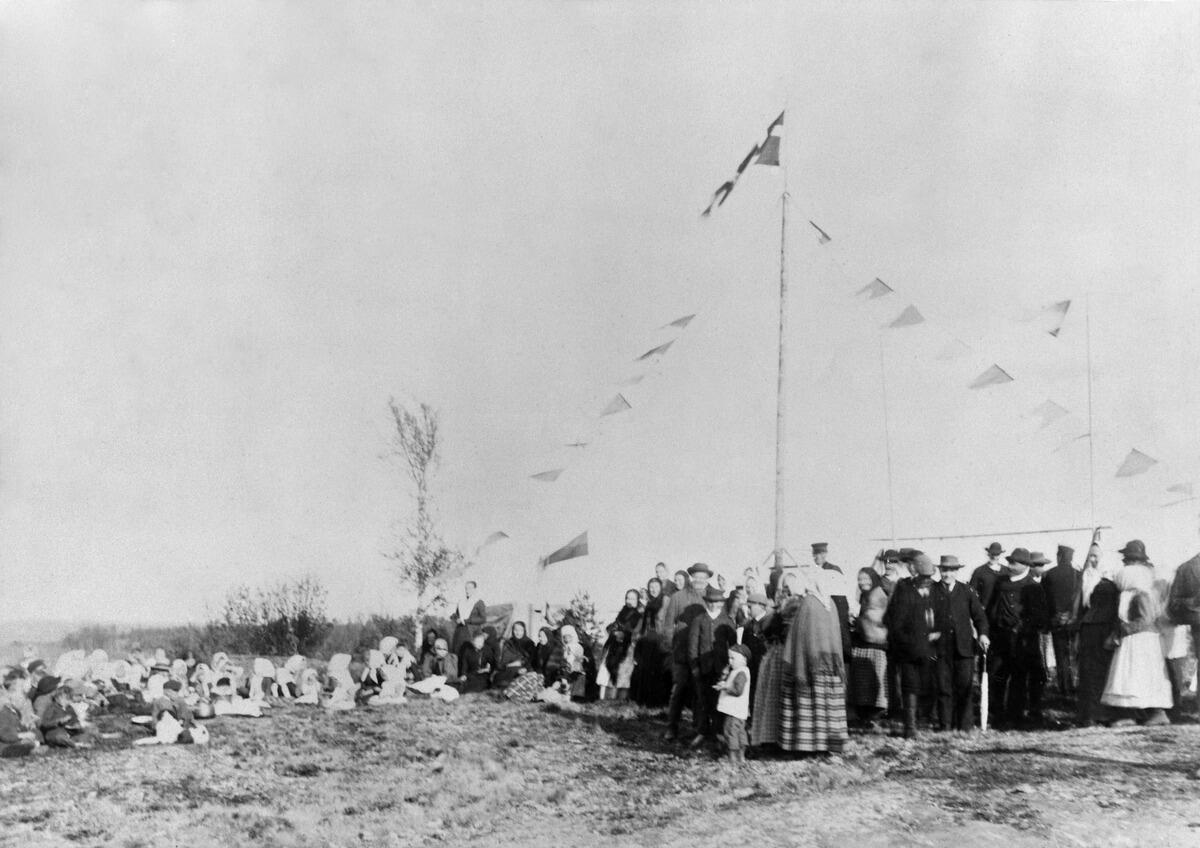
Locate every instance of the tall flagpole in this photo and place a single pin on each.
(1087, 317)
(780, 405)
(887, 440)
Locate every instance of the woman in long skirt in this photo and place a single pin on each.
(650, 683)
(813, 703)
(1137, 680)
(868, 654)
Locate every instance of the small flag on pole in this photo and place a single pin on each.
(681, 323)
(547, 476)
(656, 351)
(766, 153)
(875, 288)
(994, 376)
(577, 547)
(1182, 489)
(1136, 463)
(822, 236)
(908, 318)
(492, 539)
(1049, 412)
(954, 349)
(617, 404)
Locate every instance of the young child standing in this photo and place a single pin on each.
(733, 702)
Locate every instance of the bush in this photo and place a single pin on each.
(287, 618)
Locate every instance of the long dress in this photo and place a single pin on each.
(868, 655)
(766, 717)
(813, 703)
(1137, 678)
(650, 682)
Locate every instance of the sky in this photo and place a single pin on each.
(230, 231)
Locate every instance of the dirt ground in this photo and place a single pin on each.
(525, 775)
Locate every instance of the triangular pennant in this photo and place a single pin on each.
(954, 349)
(993, 376)
(634, 380)
(719, 197)
(617, 404)
(577, 547)
(754, 151)
(769, 152)
(908, 318)
(822, 236)
(1136, 463)
(1049, 412)
(875, 288)
(656, 351)
(681, 323)
(1182, 489)
(491, 540)
(1057, 314)
(547, 476)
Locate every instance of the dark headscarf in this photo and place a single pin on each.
(814, 642)
(523, 644)
(653, 606)
(620, 636)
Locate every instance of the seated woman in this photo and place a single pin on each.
(372, 677)
(396, 658)
(548, 649)
(344, 688)
(441, 663)
(18, 726)
(474, 669)
(308, 688)
(428, 645)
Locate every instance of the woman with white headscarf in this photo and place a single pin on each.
(1099, 627)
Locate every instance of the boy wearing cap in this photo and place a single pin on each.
(753, 637)
(733, 703)
(710, 636)
(1016, 618)
(956, 653)
(673, 621)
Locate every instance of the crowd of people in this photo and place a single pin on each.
(786, 663)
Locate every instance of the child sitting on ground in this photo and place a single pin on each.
(733, 703)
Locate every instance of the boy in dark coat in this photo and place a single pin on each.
(710, 636)
(956, 652)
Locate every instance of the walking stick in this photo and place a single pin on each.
(983, 695)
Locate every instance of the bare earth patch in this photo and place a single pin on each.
(509, 774)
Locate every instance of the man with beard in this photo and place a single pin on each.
(956, 652)
(674, 620)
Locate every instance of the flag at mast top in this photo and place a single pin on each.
(764, 153)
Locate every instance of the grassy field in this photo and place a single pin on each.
(525, 775)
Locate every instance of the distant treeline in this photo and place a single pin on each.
(280, 620)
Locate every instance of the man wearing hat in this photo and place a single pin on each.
(983, 579)
(710, 636)
(837, 593)
(1016, 618)
(1061, 583)
(917, 617)
(673, 621)
(1183, 602)
(956, 650)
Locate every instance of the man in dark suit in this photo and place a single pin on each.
(673, 621)
(469, 617)
(1016, 619)
(983, 579)
(917, 617)
(710, 636)
(956, 651)
(1061, 584)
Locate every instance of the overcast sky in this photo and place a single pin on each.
(230, 231)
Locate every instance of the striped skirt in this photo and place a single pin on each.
(815, 719)
(766, 715)
(868, 677)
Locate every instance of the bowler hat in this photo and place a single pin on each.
(1134, 551)
(907, 554)
(949, 562)
(700, 568)
(1019, 556)
(820, 547)
(757, 598)
(712, 593)
(1038, 558)
(994, 549)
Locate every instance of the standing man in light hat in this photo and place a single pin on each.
(956, 656)
(673, 621)
(1016, 618)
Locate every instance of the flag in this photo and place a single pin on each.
(577, 547)
(1136, 463)
(822, 236)
(634, 380)
(655, 351)
(875, 288)
(681, 323)
(766, 153)
(492, 539)
(954, 349)
(908, 318)
(547, 476)
(617, 404)
(1055, 315)
(1049, 412)
(577, 444)
(994, 376)
(1182, 489)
